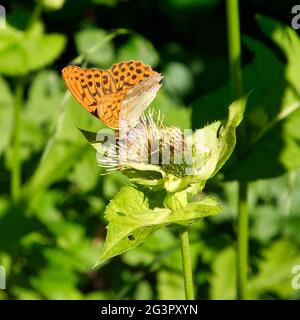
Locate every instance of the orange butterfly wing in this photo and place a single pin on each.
(101, 92)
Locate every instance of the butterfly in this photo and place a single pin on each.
(117, 96)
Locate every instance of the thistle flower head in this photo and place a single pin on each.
(153, 154)
(157, 156)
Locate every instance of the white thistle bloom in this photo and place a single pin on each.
(148, 143)
(157, 156)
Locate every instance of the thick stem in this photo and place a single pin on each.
(186, 263)
(16, 164)
(234, 49)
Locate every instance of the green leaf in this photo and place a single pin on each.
(43, 50)
(63, 147)
(215, 142)
(45, 93)
(6, 102)
(40, 111)
(133, 215)
(170, 285)
(153, 251)
(227, 135)
(138, 48)
(177, 79)
(97, 139)
(275, 269)
(272, 115)
(84, 174)
(56, 285)
(286, 39)
(25, 51)
(143, 291)
(53, 4)
(223, 277)
(173, 113)
(93, 45)
(113, 183)
(273, 276)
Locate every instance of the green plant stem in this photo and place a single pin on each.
(186, 263)
(243, 239)
(16, 164)
(36, 13)
(234, 48)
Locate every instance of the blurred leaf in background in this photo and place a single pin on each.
(138, 48)
(25, 51)
(92, 44)
(6, 101)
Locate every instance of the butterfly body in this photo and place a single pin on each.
(117, 96)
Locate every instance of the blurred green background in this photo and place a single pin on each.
(52, 196)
